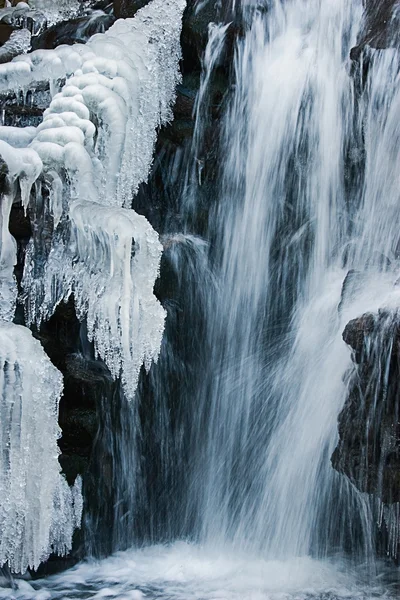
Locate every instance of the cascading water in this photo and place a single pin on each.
(235, 450)
(274, 383)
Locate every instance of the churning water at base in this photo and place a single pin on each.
(186, 572)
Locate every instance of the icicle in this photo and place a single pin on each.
(98, 137)
(24, 166)
(37, 508)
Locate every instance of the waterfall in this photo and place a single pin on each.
(264, 467)
(221, 465)
(298, 221)
(290, 222)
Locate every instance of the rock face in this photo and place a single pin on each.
(368, 451)
(75, 31)
(381, 26)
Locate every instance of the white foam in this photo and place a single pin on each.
(187, 572)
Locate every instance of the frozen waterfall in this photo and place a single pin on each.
(85, 162)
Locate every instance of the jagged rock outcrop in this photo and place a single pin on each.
(368, 451)
(381, 26)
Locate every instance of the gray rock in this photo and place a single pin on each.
(74, 31)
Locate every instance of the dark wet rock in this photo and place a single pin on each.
(55, 564)
(186, 95)
(104, 5)
(85, 369)
(381, 26)
(73, 465)
(3, 174)
(368, 451)
(19, 225)
(5, 32)
(128, 8)
(182, 127)
(79, 427)
(357, 332)
(195, 27)
(74, 31)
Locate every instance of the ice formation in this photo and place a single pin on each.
(19, 42)
(38, 510)
(96, 143)
(87, 158)
(98, 136)
(24, 167)
(59, 10)
(22, 17)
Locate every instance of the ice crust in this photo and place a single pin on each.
(18, 43)
(38, 510)
(23, 17)
(125, 79)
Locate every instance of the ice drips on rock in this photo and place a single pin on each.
(38, 510)
(23, 168)
(96, 142)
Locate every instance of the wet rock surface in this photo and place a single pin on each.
(368, 451)
(381, 26)
(76, 31)
(128, 8)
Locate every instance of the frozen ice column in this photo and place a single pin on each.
(38, 510)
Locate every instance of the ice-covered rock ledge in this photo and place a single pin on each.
(96, 143)
(85, 162)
